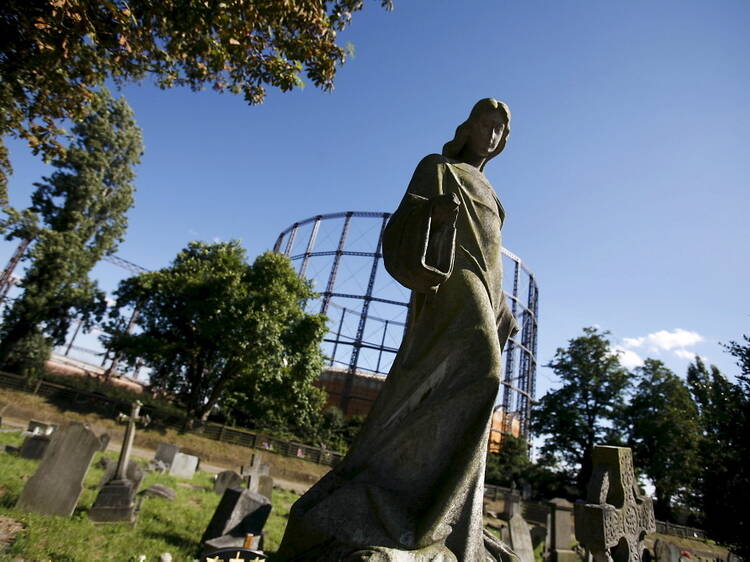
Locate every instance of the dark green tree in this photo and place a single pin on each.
(77, 215)
(54, 54)
(511, 464)
(723, 487)
(664, 433)
(212, 327)
(587, 409)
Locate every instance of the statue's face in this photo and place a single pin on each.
(486, 133)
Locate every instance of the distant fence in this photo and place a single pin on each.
(109, 407)
(680, 531)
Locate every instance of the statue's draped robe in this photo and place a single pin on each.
(414, 477)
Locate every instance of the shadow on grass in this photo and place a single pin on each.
(177, 541)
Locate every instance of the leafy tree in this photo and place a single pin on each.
(723, 488)
(511, 464)
(77, 215)
(587, 409)
(741, 352)
(54, 54)
(214, 327)
(664, 433)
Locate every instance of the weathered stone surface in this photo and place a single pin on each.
(133, 472)
(560, 531)
(615, 517)
(160, 491)
(413, 481)
(115, 503)
(56, 485)
(183, 466)
(520, 535)
(34, 446)
(104, 440)
(227, 479)
(239, 513)
(37, 427)
(165, 453)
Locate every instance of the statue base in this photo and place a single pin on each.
(115, 503)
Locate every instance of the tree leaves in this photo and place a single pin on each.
(54, 54)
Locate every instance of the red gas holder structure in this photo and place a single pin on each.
(340, 253)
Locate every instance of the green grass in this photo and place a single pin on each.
(163, 526)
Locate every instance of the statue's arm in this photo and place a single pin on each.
(419, 240)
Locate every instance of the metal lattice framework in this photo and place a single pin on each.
(341, 254)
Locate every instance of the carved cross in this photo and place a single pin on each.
(127, 442)
(615, 518)
(254, 471)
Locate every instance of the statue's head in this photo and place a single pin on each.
(486, 114)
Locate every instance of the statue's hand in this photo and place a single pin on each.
(445, 207)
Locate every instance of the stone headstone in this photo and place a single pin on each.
(56, 485)
(518, 529)
(560, 531)
(34, 446)
(227, 479)
(37, 427)
(165, 453)
(239, 513)
(183, 466)
(615, 517)
(160, 491)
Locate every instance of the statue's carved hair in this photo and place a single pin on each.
(453, 148)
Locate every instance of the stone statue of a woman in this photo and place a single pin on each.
(411, 486)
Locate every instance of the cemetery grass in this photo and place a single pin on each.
(163, 526)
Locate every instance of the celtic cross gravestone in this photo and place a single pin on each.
(615, 518)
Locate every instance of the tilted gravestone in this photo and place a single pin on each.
(520, 536)
(615, 517)
(257, 476)
(34, 446)
(184, 466)
(560, 531)
(227, 479)
(116, 500)
(56, 485)
(239, 513)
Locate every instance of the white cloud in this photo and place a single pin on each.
(665, 340)
(628, 358)
(689, 355)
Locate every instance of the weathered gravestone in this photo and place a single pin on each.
(104, 440)
(37, 427)
(518, 529)
(257, 475)
(56, 485)
(160, 491)
(560, 531)
(615, 518)
(227, 479)
(239, 513)
(184, 466)
(116, 500)
(34, 446)
(165, 453)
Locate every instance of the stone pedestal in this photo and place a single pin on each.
(115, 503)
(560, 533)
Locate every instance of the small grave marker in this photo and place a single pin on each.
(239, 513)
(184, 466)
(227, 479)
(257, 475)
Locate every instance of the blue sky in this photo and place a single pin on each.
(625, 180)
